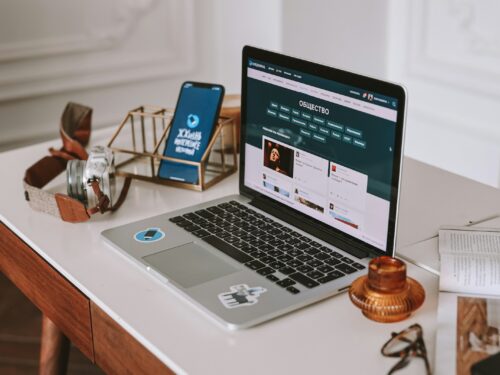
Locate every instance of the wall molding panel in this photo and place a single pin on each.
(114, 42)
(448, 55)
(457, 43)
(126, 13)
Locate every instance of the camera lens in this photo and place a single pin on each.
(98, 167)
(75, 180)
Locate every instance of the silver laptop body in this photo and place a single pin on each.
(223, 280)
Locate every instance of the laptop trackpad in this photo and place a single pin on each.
(189, 265)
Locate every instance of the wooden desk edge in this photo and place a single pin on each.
(102, 340)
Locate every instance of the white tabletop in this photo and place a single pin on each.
(432, 197)
(331, 336)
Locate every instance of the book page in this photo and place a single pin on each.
(446, 335)
(470, 261)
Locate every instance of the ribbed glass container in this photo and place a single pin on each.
(386, 295)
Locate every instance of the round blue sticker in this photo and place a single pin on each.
(192, 121)
(149, 235)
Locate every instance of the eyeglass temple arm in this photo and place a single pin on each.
(402, 363)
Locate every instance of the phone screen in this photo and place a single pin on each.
(194, 119)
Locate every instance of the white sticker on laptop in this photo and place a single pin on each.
(149, 235)
(241, 295)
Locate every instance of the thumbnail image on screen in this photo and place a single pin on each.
(278, 158)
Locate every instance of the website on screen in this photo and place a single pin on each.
(321, 147)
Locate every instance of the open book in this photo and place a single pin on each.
(468, 338)
(470, 260)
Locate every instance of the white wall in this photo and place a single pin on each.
(345, 34)
(237, 23)
(114, 55)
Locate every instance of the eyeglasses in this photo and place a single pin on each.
(406, 344)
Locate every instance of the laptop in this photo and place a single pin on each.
(320, 169)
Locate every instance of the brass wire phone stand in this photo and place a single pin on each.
(138, 146)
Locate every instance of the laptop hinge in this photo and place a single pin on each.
(311, 228)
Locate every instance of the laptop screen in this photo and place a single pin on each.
(321, 147)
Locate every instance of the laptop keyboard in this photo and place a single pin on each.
(266, 246)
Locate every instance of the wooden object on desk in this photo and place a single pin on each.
(56, 297)
(119, 353)
(231, 107)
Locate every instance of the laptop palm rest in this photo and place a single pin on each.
(189, 265)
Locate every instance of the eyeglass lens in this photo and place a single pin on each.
(401, 341)
(406, 344)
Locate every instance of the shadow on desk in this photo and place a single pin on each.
(20, 327)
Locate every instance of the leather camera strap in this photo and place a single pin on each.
(103, 200)
(75, 134)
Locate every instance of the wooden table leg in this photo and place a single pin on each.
(54, 350)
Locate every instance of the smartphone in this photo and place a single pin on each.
(195, 117)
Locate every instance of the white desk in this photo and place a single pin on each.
(430, 198)
(328, 337)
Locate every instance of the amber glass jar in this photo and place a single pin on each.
(386, 294)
